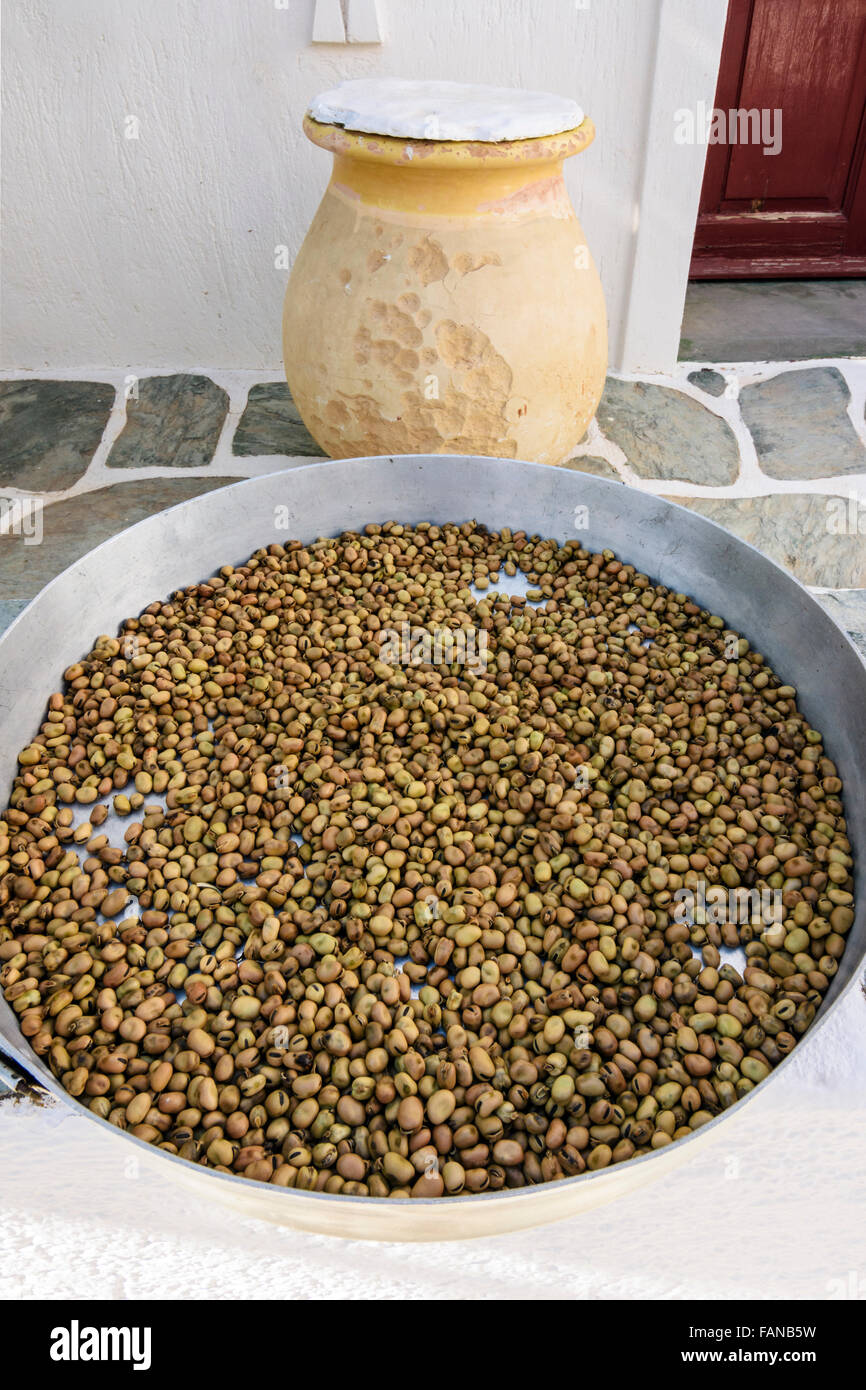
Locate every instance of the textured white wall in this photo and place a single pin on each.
(159, 251)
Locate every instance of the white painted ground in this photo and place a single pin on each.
(773, 1209)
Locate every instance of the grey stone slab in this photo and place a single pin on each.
(847, 607)
(9, 610)
(799, 425)
(175, 423)
(666, 434)
(708, 380)
(587, 463)
(801, 531)
(271, 424)
(773, 320)
(49, 431)
(71, 528)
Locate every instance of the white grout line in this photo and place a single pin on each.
(116, 423)
(238, 395)
(253, 466)
(856, 378)
(821, 589)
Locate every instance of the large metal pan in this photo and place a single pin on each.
(673, 545)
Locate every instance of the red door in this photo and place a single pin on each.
(800, 211)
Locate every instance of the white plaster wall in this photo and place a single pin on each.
(159, 251)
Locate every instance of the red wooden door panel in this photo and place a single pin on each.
(801, 211)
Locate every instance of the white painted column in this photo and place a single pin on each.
(688, 50)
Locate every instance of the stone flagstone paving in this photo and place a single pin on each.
(271, 424)
(792, 529)
(848, 609)
(587, 464)
(175, 422)
(800, 425)
(708, 380)
(666, 434)
(73, 528)
(49, 431)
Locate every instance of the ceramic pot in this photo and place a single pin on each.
(445, 300)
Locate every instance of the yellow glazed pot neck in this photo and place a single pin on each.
(448, 154)
(512, 178)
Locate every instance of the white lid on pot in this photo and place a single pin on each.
(444, 110)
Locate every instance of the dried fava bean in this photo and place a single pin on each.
(409, 922)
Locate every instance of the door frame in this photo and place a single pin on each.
(743, 245)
